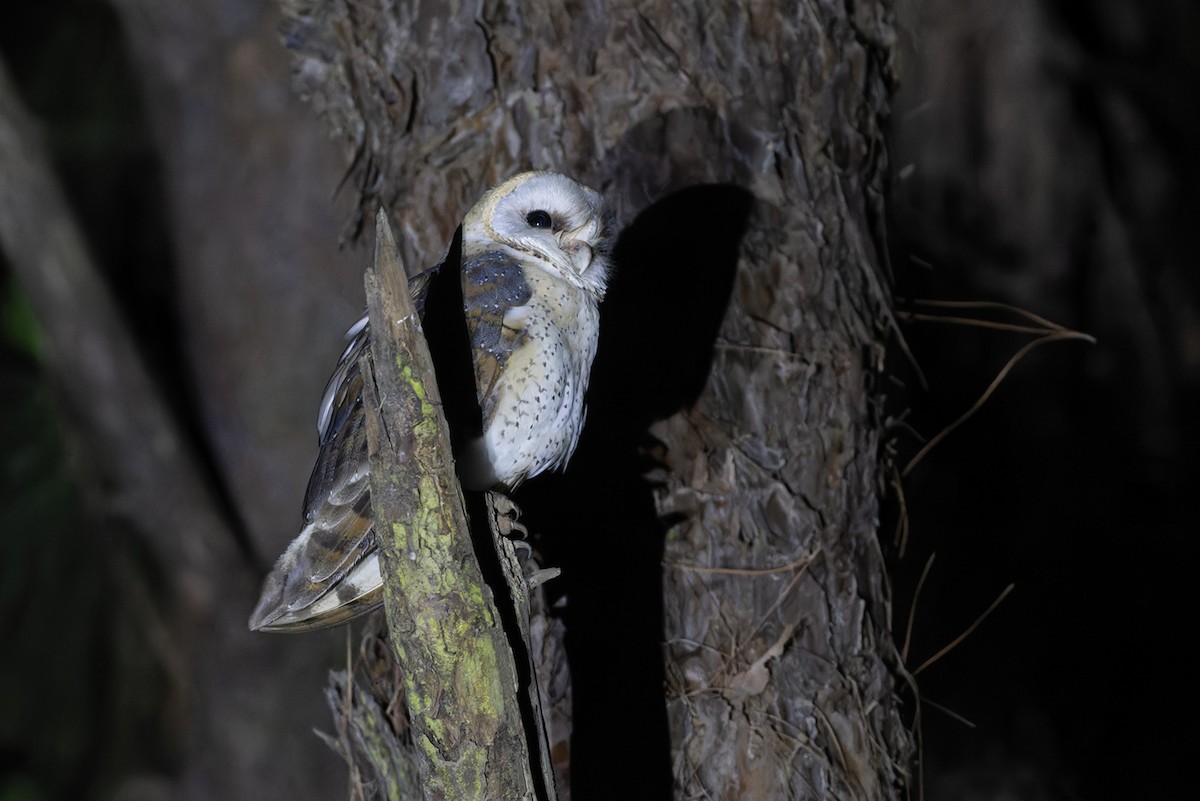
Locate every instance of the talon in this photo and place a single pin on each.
(506, 513)
(539, 577)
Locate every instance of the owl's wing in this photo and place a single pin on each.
(330, 572)
(495, 298)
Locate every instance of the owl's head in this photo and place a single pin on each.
(561, 223)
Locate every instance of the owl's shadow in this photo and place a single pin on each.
(675, 267)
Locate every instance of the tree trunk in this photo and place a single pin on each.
(741, 152)
(232, 735)
(262, 294)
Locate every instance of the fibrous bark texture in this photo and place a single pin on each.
(741, 151)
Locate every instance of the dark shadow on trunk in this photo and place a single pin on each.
(675, 267)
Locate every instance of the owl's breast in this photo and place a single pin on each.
(533, 413)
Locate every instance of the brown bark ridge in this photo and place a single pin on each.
(740, 147)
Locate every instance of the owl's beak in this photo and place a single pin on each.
(579, 253)
(582, 257)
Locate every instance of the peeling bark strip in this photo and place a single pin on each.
(459, 679)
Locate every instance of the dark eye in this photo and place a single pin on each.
(539, 219)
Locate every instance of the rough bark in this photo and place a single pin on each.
(741, 151)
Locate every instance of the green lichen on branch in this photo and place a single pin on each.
(458, 675)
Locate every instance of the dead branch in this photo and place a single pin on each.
(458, 672)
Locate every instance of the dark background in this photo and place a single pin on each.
(1043, 155)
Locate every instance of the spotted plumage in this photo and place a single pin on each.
(533, 271)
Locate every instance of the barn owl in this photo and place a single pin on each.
(534, 268)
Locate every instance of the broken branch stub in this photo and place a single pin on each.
(459, 678)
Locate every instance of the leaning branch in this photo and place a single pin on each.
(458, 672)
